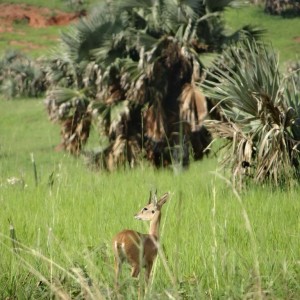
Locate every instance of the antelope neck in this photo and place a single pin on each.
(154, 225)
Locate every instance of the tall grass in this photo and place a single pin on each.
(215, 244)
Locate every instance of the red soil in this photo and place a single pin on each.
(34, 16)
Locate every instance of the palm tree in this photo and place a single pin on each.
(136, 64)
(261, 115)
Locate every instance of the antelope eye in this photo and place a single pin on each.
(145, 208)
(153, 211)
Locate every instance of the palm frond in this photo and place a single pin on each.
(247, 32)
(62, 103)
(220, 5)
(133, 4)
(155, 123)
(118, 112)
(90, 33)
(121, 152)
(193, 108)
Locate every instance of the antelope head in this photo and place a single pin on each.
(148, 212)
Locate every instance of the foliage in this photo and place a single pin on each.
(293, 69)
(137, 64)
(287, 8)
(261, 117)
(21, 76)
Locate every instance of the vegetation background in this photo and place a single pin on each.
(57, 217)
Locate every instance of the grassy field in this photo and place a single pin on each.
(215, 244)
(34, 42)
(282, 33)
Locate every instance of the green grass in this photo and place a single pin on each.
(282, 33)
(52, 4)
(35, 42)
(210, 249)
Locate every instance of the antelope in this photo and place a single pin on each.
(139, 249)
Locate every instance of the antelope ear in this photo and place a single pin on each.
(163, 199)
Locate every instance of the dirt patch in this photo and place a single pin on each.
(297, 39)
(26, 45)
(33, 16)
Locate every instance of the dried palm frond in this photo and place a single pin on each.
(116, 153)
(154, 123)
(119, 115)
(70, 108)
(121, 152)
(193, 108)
(238, 147)
(74, 132)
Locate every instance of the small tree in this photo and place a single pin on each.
(261, 115)
(21, 76)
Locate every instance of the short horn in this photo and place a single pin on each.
(155, 198)
(150, 197)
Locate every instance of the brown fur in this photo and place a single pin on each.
(128, 245)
